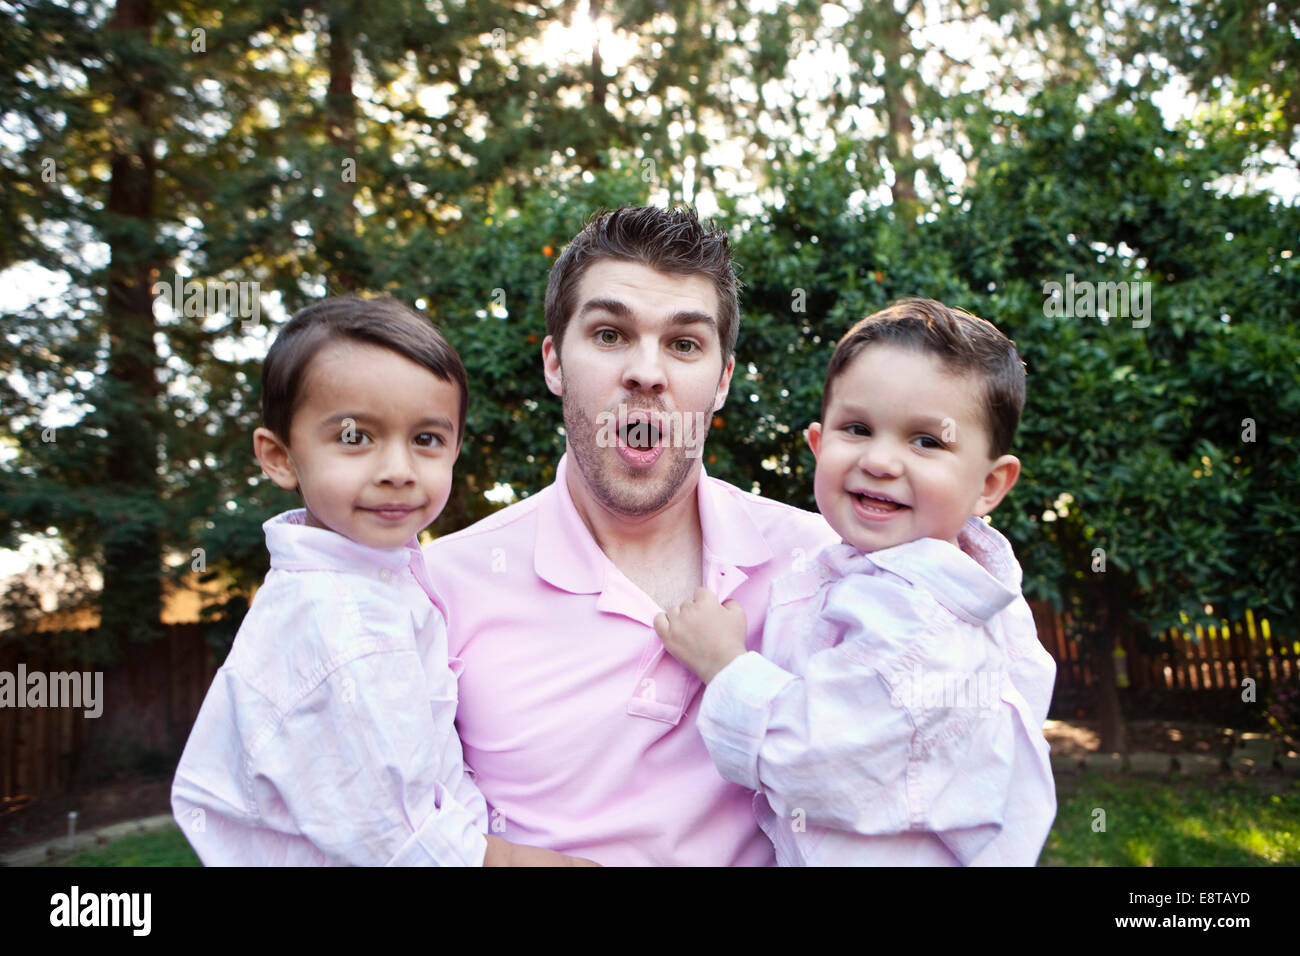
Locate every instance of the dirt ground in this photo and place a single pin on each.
(24, 821)
(1077, 738)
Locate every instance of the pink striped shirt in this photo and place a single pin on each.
(328, 735)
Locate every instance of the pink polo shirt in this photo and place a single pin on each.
(579, 728)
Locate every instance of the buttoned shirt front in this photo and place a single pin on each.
(579, 727)
(328, 735)
(895, 715)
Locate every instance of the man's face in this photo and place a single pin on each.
(903, 452)
(640, 379)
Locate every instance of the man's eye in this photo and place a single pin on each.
(428, 440)
(691, 346)
(607, 336)
(350, 436)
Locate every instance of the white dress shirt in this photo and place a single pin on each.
(328, 735)
(895, 716)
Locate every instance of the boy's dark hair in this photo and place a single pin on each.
(966, 344)
(385, 322)
(667, 240)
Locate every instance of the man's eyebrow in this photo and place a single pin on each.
(618, 309)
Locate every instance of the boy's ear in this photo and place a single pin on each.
(273, 455)
(1001, 478)
(814, 435)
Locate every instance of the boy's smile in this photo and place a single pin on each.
(372, 445)
(904, 451)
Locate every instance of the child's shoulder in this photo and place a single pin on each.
(303, 625)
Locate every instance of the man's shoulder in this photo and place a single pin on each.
(508, 522)
(769, 509)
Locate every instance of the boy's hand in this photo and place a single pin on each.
(504, 853)
(701, 633)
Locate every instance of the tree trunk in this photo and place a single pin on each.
(1108, 708)
(132, 599)
(900, 142)
(337, 244)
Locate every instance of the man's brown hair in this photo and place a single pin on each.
(667, 240)
(385, 322)
(964, 343)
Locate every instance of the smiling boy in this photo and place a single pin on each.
(895, 715)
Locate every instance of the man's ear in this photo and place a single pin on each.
(814, 434)
(273, 455)
(1001, 478)
(724, 384)
(551, 366)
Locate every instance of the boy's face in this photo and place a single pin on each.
(902, 428)
(372, 445)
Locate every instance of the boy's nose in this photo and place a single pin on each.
(396, 467)
(881, 458)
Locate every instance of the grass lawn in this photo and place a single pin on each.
(1214, 821)
(166, 847)
(1148, 822)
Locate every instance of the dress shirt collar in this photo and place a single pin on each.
(296, 547)
(974, 582)
(567, 556)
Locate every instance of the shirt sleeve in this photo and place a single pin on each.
(362, 771)
(856, 743)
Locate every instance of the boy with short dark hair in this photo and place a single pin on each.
(895, 715)
(328, 735)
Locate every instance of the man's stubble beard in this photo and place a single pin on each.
(615, 486)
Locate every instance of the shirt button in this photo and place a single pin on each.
(385, 574)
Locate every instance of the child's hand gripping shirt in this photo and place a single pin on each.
(889, 701)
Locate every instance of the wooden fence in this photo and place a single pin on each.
(1197, 671)
(150, 698)
(152, 695)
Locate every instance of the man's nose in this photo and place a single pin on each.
(645, 368)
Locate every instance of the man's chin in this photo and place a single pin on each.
(635, 490)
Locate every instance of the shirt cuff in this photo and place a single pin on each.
(734, 715)
(449, 836)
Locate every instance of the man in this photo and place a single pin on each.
(579, 728)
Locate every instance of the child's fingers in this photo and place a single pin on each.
(661, 625)
(705, 597)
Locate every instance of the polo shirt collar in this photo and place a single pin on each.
(974, 582)
(566, 555)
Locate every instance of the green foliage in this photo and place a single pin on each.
(1132, 440)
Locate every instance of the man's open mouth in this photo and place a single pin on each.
(640, 435)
